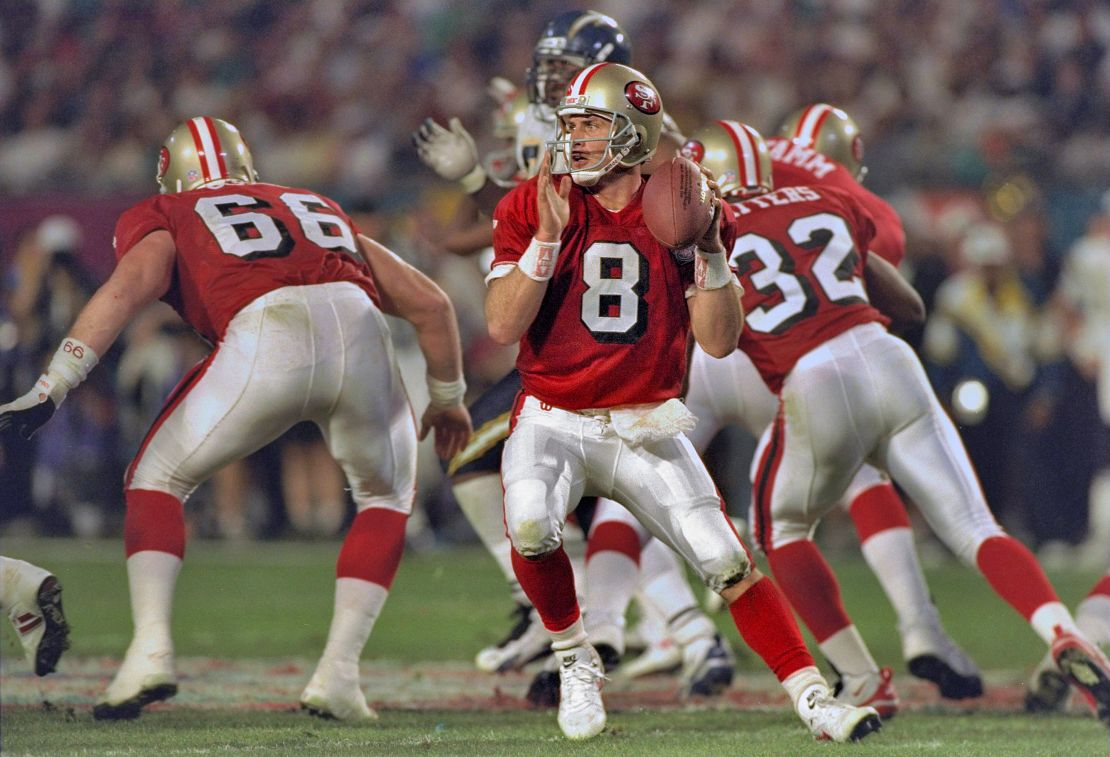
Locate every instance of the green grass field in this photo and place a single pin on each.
(250, 620)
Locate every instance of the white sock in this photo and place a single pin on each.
(19, 581)
(893, 559)
(611, 578)
(800, 680)
(570, 637)
(846, 652)
(1093, 618)
(357, 606)
(1048, 616)
(482, 502)
(152, 578)
(663, 581)
(690, 626)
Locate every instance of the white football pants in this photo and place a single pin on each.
(320, 353)
(553, 457)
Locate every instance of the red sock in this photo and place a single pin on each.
(1015, 574)
(768, 627)
(1102, 587)
(373, 546)
(614, 536)
(876, 510)
(154, 521)
(549, 583)
(809, 584)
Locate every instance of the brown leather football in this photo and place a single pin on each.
(677, 203)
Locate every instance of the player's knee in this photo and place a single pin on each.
(532, 528)
(727, 569)
(711, 546)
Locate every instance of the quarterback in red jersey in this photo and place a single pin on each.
(579, 281)
(292, 297)
(851, 393)
(730, 391)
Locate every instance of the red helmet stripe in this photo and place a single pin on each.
(578, 84)
(206, 143)
(809, 125)
(744, 144)
(216, 143)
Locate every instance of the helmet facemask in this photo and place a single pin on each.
(620, 141)
(549, 76)
(628, 101)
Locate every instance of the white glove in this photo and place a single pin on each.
(501, 90)
(450, 153)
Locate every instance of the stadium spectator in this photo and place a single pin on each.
(981, 341)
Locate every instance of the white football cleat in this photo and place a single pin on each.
(870, 690)
(527, 641)
(146, 676)
(830, 720)
(707, 667)
(581, 711)
(334, 692)
(662, 656)
(41, 626)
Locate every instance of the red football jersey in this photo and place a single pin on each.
(798, 166)
(801, 263)
(613, 324)
(239, 241)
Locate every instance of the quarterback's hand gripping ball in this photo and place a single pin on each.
(678, 203)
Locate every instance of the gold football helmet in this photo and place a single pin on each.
(509, 116)
(628, 100)
(831, 132)
(737, 156)
(204, 151)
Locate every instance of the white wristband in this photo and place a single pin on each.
(474, 180)
(538, 261)
(446, 393)
(711, 270)
(71, 363)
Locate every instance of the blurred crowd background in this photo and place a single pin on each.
(986, 123)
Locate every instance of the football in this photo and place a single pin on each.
(677, 203)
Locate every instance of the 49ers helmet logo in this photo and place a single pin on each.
(163, 162)
(857, 149)
(642, 97)
(693, 150)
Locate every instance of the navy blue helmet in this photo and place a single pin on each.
(570, 42)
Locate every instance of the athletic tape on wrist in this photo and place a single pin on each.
(711, 270)
(538, 261)
(474, 180)
(446, 393)
(71, 363)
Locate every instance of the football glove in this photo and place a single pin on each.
(68, 368)
(26, 415)
(451, 153)
(501, 90)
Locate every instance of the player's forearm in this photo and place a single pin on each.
(141, 277)
(716, 318)
(512, 303)
(437, 334)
